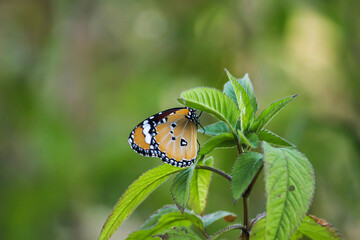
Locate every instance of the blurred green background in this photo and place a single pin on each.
(77, 76)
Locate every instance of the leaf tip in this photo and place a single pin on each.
(294, 96)
(228, 73)
(181, 209)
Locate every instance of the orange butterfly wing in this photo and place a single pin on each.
(139, 138)
(169, 135)
(177, 138)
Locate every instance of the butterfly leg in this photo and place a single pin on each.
(202, 128)
(198, 145)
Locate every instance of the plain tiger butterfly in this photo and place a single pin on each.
(169, 135)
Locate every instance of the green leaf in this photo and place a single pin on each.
(164, 218)
(218, 234)
(252, 140)
(180, 189)
(215, 129)
(244, 102)
(213, 217)
(199, 189)
(178, 216)
(290, 185)
(318, 229)
(165, 221)
(270, 112)
(134, 195)
(244, 170)
(178, 233)
(212, 101)
(229, 90)
(153, 219)
(296, 236)
(312, 227)
(247, 85)
(195, 219)
(258, 228)
(272, 138)
(220, 141)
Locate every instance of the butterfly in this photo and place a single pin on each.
(169, 135)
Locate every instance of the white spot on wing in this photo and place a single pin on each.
(148, 138)
(146, 129)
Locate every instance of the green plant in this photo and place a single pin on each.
(289, 176)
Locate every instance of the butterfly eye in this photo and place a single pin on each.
(169, 135)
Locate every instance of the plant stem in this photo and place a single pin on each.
(249, 188)
(236, 139)
(205, 234)
(232, 227)
(245, 196)
(217, 171)
(246, 212)
(240, 151)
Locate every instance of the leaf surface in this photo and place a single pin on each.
(213, 217)
(215, 129)
(244, 102)
(318, 229)
(258, 228)
(163, 219)
(134, 195)
(180, 189)
(244, 170)
(247, 85)
(199, 189)
(220, 141)
(272, 138)
(178, 233)
(212, 101)
(290, 185)
(312, 227)
(270, 112)
(251, 140)
(229, 91)
(153, 219)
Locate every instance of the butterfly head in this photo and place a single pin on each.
(192, 116)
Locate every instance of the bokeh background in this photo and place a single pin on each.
(77, 76)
